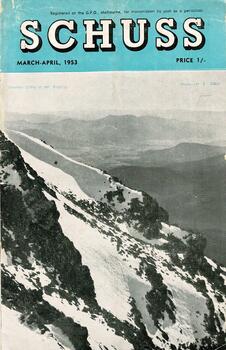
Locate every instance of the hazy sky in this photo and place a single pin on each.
(91, 95)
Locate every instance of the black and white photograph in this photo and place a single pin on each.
(113, 190)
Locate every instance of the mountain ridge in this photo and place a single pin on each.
(181, 153)
(143, 129)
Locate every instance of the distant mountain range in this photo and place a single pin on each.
(206, 117)
(125, 130)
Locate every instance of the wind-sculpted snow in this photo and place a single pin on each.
(99, 271)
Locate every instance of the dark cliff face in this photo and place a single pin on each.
(34, 221)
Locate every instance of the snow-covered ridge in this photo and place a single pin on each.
(54, 176)
(110, 184)
(45, 145)
(97, 185)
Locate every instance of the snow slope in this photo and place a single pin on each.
(15, 336)
(124, 269)
(94, 182)
(112, 274)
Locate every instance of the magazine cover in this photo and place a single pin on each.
(113, 175)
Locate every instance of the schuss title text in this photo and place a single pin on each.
(99, 36)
